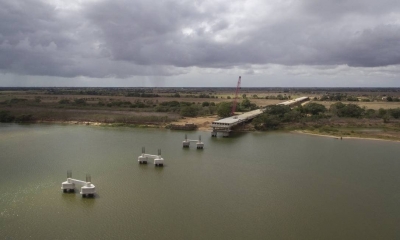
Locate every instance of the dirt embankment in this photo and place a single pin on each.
(203, 123)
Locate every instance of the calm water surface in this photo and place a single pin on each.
(251, 186)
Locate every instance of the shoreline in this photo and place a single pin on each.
(201, 127)
(337, 137)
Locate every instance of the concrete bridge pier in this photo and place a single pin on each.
(225, 134)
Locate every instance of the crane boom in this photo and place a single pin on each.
(236, 96)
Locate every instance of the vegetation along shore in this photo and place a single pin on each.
(338, 112)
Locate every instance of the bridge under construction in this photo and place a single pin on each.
(225, 125)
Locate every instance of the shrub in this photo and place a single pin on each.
(5, 116)
(64, 101)
(314, 108)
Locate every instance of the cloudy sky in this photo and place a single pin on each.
(202, 43)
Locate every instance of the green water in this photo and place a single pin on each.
(251, 186)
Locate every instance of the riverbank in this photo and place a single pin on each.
(370, 137)
(377, 133)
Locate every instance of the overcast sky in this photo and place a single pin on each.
(157, 43)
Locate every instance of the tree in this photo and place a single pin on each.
(370, 113)
(245, 103)
(395, 113)
(266, 121)
(5, 116)
(335, 108)
(278, 110)
(382, 112)
(314, 108)
(80, 101)
(64, 101)
(224, 109)
(205, 104)
(347, 110)
(189, 111)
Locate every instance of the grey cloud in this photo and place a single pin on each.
(122, 38)
(158, 39)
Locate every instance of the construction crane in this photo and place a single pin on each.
(236, 96)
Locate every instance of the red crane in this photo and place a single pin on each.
(236, 96)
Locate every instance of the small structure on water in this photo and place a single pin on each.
(158, 160)
(199, 143)
(87, 189)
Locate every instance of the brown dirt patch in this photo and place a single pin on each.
(203, 123)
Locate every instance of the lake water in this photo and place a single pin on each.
(250, 186)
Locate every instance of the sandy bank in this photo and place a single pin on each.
(338, 137)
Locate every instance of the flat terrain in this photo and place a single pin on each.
(158, 107)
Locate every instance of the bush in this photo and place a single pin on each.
(314, 108)
(80, 101)
(224, 109)
(347, 110)
(205, 104)
(189, 111)
(24, 118)
(5, 117)
(278, 110)
(395, 113)
(64, 101)
(265, 122)
(17, 100)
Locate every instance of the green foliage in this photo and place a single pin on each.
(64, 101)
(142, 94)
(278, 110)
(381, 112)
(205, 104)
(189, 111)
(228, 97)
(24, 118)
(5, 117)
(170, 104)
(265, 122)
(370, 113)
(352, 99)
(245, 104)
(138, 104)
(274, 116)
(292, 116)
(17, 100)
(395, 113)
(224, 109)
(80, 101)
(119, 103)
(203, 95)
(347, 110)
(313, 108)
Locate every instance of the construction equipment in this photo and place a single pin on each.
(236, 96)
